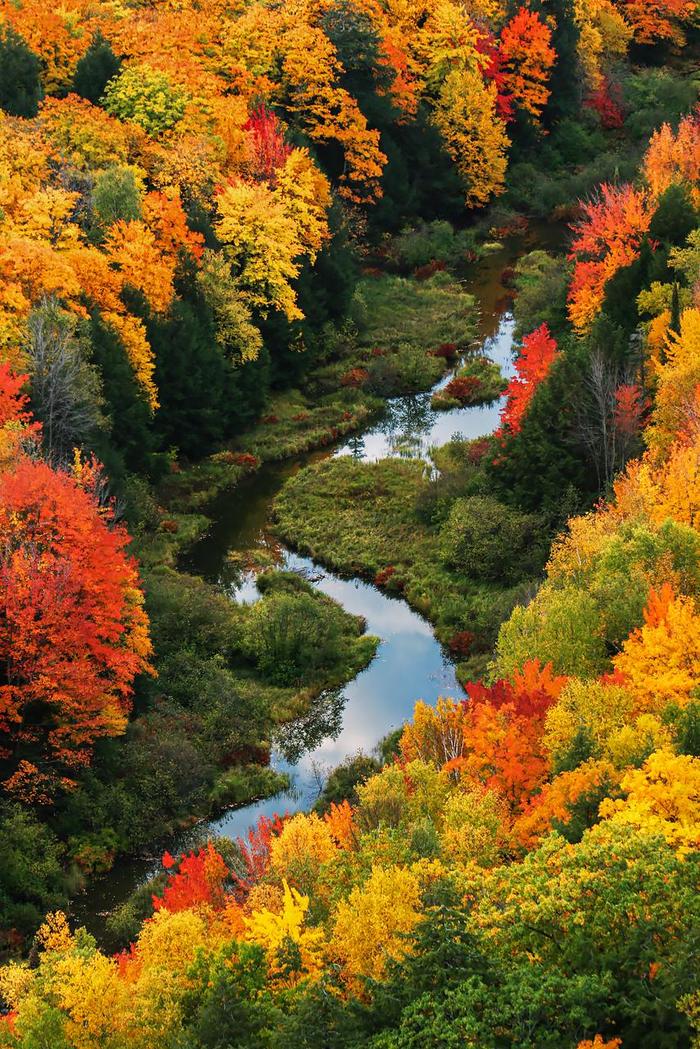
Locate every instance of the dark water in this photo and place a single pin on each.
(410, 664)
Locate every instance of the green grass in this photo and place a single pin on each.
(383, 521)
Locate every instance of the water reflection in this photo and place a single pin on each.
(409, 665)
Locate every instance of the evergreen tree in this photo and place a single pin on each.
(95, 69)
(20, 84)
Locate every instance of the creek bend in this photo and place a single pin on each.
(410, 664)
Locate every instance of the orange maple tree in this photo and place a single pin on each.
(73, 631)
(536, 357)
(527, 57)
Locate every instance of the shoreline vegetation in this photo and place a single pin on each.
(236, 239)
(182, 605)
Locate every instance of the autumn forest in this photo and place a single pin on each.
(349, 524)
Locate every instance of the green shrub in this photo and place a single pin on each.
(487, 540)
(289, 637)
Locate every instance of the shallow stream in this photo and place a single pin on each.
(410, 664)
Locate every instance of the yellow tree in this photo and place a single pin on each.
(661, 797)
(370, 926)
(262, 244)
(660, 660)
(473, 133)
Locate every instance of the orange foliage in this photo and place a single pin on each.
(674, 158)
(73, 633)
(654, 20)
(608, 238)
(341, 824)
(536, 357)
(527, 56)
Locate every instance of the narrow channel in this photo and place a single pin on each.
(410, 663)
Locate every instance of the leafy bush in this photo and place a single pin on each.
(431, 242)
(487, 540)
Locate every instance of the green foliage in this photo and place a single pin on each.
(146, 97)
(117, 195)
(560, 625)
(95, 69)
(654, 96)
(541, 283)
(32, 877)
(486, 540)
(342, 781)
(296, 636)
(20, 69)
(436, 241)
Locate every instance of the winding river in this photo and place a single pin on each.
(410, 663)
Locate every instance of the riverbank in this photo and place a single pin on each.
(457, 555)
(411, 663)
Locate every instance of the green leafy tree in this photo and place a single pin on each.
(147, 97)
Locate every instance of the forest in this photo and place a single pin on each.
(349, 524)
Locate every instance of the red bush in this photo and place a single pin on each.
(169, 526)
(383, 577)
(463, 389)
(355, 377)
(447, 350)
(478, 449)
(430, 268)
(461, 643)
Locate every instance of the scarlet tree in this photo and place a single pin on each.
(73, 631)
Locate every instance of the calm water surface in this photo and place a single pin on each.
(410, 664)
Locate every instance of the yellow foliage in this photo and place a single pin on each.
(370, 925)
(675, 411)
(662, 797)
(306, 195)
(660, 660)
(473, 133)
(262, 244)
(631, 743)
(302, 846)
(475, 823)
(597, 709)
(272, 931)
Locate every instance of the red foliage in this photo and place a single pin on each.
(72, 635)
(606, 101)
(301, 417)
(447, 350)
(460, 644)
(267, 420)
(464, 389)
(503, 732)
(266, 146)
(13, 403)
(538, 353)
(430, 269)
(492, 69)
(198, 880)
(254, 851)
(168, 525)
(382, 577)
(354, 377)
(478, 449)
(378, 352)
(629, 409)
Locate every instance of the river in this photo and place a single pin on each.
(410, 664)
